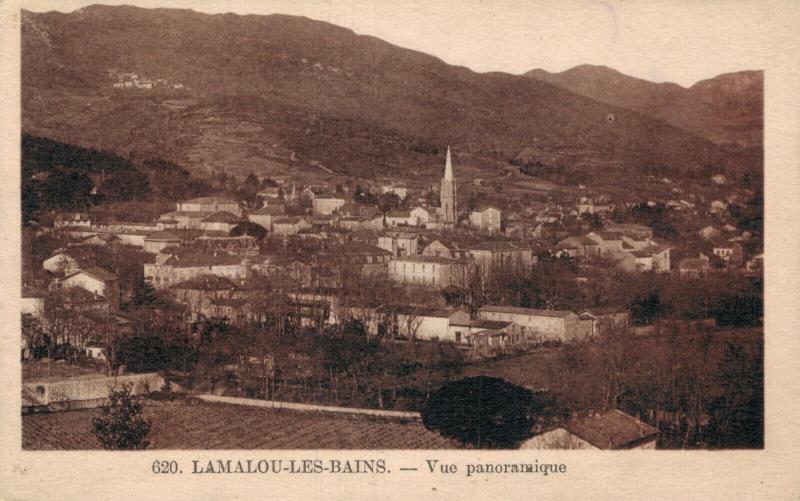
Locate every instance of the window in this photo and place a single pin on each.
(458, 336)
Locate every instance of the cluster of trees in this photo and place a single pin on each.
(62, 176)
(489, 413)
(732, 300)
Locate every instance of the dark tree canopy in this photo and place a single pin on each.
(249, 228)
(143, 354)
(485, 412)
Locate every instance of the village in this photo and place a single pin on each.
(237, 298)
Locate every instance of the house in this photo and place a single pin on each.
(94, 280)
(419, 216)
(719, 179)
(220, 221)
(636, 242)
(209, 205)
(353, 209)
(476, 332)
(486, 219)
(201, 290)
(652, 258)
(433, 271)
(32, 301)
(62, 261)
(709, 232)
(398, 218)
(264, 216)
(538, 326)
(445, 248)
(240, 245)
(610, 243)
(75, 220)
(399, 244)
(182, 220)
(179, 268)
(326, 205)
(361, 254)
(718, 207)
(605, 321)
(270, 192)
(418, 322)
(285, 226)
(631, 230)
(102, 239)
(589, 206)
(694, 267)
(495, 254)
(156, 242)
(609, 430)
(585, 248)
(356, 223)
(398, 189)
(723, 249)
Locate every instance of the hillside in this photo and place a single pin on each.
(727, 109)
(280, 94)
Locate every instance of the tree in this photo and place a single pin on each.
(144, 294)
(484, 412)
(121, 424)
(144, 353)
(249, 228)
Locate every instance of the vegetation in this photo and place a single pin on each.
(485, 412)
(120, 424)
(62, 176)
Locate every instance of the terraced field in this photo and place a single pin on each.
(193, 425)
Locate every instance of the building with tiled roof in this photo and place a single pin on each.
(609, 430)
(537, 325)
(430, 271)
(491, 255)
(210, 205)
(178, 268)
(419, 322)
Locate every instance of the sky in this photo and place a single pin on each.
(672, 40)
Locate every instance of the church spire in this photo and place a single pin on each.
(447, 193)
(448, 166)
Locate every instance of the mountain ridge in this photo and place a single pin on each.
(269, 89)
(726, 109)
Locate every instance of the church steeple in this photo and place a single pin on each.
(448, 166)
(447, 193)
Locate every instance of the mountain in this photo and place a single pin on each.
(727, 109)
(282, 94)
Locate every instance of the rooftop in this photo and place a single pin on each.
(98, 273)
(526, 311)
(415, 310)
(612, 429)
(495, 245)
(210, 200)
(163, 236)
(202, 425)
(197, 260)
(426, 259)
(222, 217)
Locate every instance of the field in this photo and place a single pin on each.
(198, 425)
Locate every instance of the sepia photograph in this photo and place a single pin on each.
(371, 226)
